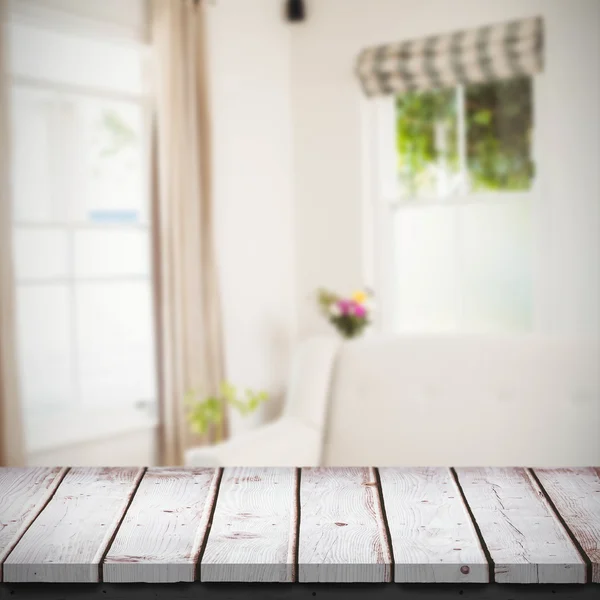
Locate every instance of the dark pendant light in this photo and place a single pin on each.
(295, 10)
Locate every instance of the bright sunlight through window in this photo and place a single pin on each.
(458, 193)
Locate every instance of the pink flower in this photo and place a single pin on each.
(358, 310)
(344, 306)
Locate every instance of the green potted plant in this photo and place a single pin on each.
(202, 412)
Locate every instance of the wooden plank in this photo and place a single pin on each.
(70, 536)
(527, 543)
(165, 527)
(342, 528)
(433, 537)
(253, 533)
(575, 493)
(25, 492)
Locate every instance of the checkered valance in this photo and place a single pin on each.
(476, 55)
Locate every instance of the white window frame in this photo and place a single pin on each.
(379, 160)
(78, 423)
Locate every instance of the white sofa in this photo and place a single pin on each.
(431, 400)
(296, 438)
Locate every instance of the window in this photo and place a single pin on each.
(453, 194)
(80, 118)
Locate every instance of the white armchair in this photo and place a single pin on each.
(295, 438)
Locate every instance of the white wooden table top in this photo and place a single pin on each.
(404, 525)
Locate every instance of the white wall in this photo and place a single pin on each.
(327, 143)
(249, 46)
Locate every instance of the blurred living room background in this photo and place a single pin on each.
(203, 202)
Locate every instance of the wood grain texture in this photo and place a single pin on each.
(25, 492)
(526, 541)
(575, 492)
(342, 529)
(253, 532)
(165, 527)
(433, 537)
(70, 536)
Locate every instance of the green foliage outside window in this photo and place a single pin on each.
(498, 121)
(499, 127)
(417, 114)
(118, 134)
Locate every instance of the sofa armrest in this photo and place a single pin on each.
(310, 380)
(284, 442)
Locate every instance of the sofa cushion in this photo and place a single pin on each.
(464, 400)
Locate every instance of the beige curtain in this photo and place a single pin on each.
(187, 299)
(11, 434)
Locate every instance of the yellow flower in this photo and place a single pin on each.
(359, 297)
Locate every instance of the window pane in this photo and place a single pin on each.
(499, 129)
(34, 149)
(106, 253)
(44, 342)
(496, 262)
(115, 342)
(426, 141)
(113, 168)
(48, 55)
(40, 254)
(425, 275)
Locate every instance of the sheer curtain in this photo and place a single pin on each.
(187, 298)
(12, 451)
